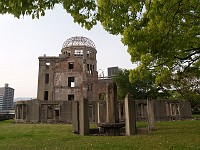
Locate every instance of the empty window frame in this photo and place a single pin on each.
(71, 82)
(174, 109)
(88, 54)
(46, 78)
(89, 87)
(70, 97)
(90, 112)
(90, 68)
(49, 112)
(102, 96)
(57, 113)
(46, 95)
(47, 65)
(93, 67)
(68, 53)
(92, 55)
(78, 53)
(142, 110)
(70, 65)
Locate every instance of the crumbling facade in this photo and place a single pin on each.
(61, 111)
(73, 76)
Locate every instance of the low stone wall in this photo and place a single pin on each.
(35, 111)
(61, 111)
(165, 110)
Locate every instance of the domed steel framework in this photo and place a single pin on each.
(79, 41)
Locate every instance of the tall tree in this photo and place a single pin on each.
(140, 89)
(188, 88)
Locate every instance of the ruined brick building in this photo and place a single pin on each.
(72, 76)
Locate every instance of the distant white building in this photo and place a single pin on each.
(6, 97)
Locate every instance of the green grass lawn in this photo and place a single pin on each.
(168, 135)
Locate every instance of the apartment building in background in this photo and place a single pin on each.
(6, 97)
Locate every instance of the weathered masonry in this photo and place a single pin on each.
(71, 76)
(61, 111)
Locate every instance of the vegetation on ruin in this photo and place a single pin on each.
(140, 89)
(163, 36)
(168, 135)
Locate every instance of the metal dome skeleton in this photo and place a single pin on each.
(78, 41)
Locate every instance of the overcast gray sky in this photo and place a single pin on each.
(23, 40)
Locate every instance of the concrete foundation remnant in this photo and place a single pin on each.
(112, 125)
(130, 115)
(151, 115)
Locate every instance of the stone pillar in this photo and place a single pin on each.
(170, 109)
(75, 116)
(46, 112)
(20, 112)
(54, 113)
(151, 115)
(142, 110)
(26, 109)
(83, 117)
(130, 116)
(17, 112)
(111, 103)
(101, 113)
(98, 113)
(119, 111)
(35, 111)
(23, 112)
